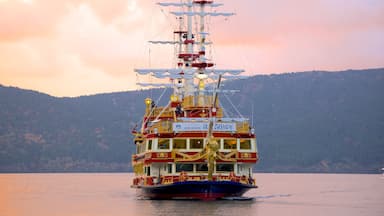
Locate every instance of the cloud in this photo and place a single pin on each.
(296, 35)
(271, 21)
(114, 47)
(74, 47)
(81, 45)
(108, 11)
(38, 18)
(20, 20)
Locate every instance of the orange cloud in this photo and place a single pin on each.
(268, 22)
(86, 47)
(77, 47)
(108, 11)
(19, 20)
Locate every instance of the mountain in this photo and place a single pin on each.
(305, 122)
(317, 121)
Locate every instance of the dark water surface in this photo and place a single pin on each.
(110, 194)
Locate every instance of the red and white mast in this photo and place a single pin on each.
(191, 65)
(189, 85)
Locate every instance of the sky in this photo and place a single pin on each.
(83, 47)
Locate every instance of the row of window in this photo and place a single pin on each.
(198, 167)
(202, 167)
(162, 143)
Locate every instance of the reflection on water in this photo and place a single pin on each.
(110, 194)
(220, 207)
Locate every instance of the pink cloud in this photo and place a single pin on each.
(19, 20)
(108, 11)
(271, 20)
(93, 45)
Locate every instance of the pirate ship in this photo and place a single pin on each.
(189, 148)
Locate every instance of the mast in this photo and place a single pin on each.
(189, 86)
(201, 76)
(192, 66)
(192, 69)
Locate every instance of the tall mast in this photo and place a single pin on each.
(189, 86)
(201, 70)
(191, 65)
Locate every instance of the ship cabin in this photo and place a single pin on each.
(171, 145)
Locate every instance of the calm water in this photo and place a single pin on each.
(110, 194)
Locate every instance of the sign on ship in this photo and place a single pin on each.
(202, 126)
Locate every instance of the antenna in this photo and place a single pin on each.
(252, 115)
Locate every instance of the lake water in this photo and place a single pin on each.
(110, 194)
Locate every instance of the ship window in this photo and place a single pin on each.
(148, 171)
(239, 168)
(230, 143)
(163, 143)
(196, 143)
(184, 167)
(224, 167)
(149, 144)
(139, 146)
(201, 167)
(245, 144)
(179, 144)
(169, 168)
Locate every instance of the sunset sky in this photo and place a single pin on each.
(81, 47)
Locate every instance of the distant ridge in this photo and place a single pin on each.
(306, 122)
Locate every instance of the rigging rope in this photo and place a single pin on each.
(162, 111)
(224, 110)
(241, 116)
(157, 102)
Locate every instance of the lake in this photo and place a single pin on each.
(100, 194)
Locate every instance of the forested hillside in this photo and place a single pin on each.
(305, 122)
(317, 121)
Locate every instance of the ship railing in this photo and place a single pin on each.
(243, 127)
(166, 126)
(201, 112)
(161, 127)
(161, 113)
(151, 180)
(224, 119)
(183, 176)
(198, 101)
(242, 124)
(196, 156)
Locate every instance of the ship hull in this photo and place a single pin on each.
(203, 190)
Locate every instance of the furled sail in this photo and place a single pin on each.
(202, 14)
(174, 4)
